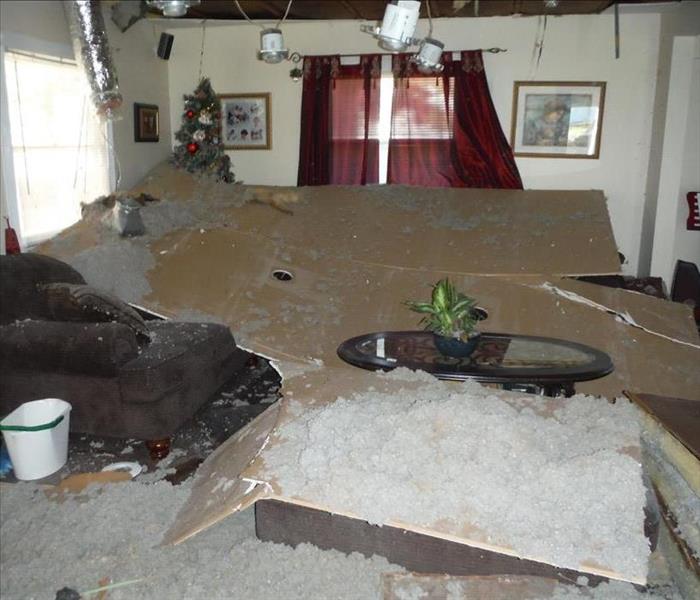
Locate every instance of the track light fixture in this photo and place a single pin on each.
(272, 48)
(173, 8)
(398, 25)
(428, 58)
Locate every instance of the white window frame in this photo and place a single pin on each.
(10, 41)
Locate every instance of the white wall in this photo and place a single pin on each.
(677, 19)
(680, 165)
(40, 26)
(577, 48)
(143, 78)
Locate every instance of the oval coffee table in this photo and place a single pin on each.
(543, 365)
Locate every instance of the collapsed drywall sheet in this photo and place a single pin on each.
(213, 257)
(453, 230)
(330, 300)
(552, 480)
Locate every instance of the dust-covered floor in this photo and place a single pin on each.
(243, 397)
(114, 535)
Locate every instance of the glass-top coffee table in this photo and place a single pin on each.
(518, 362)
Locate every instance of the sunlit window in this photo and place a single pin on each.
(59, 147)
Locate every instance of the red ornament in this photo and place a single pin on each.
(189, 114)
(192, 147)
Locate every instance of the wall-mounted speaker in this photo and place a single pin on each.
(165, 45)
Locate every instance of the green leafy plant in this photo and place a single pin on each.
(449, 313)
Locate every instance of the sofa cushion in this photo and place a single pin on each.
(19, 276)
(177, 353)
(68, 302)
(86, 348)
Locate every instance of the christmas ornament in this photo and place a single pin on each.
(198, 135)
(189, 114)
(92, 52)
(205, 118)
(192, 147)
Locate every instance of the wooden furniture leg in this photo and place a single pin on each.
(158, 449)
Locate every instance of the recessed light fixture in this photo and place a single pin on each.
(398, 25)
(173, 8)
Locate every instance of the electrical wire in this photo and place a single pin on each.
(430, 19)
(201, 50)
(247, 18)
(286, 12)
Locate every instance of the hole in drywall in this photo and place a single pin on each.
(282, 275)
(481, 314)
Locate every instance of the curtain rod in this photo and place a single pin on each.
(296, 56)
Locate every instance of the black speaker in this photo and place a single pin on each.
(165, 45)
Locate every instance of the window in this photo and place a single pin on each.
(412, 117)
(59, 148)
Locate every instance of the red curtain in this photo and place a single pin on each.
(483, 156)
(339, 121)
(445, 130)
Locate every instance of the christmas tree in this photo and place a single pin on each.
(200, 149)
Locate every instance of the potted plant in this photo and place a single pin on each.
(450, 315)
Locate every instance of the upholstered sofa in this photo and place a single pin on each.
(124, 376)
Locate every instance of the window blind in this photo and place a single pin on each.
(60, 149)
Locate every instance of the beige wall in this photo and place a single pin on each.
(576, 48)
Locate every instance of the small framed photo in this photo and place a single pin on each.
(146, 125)
(245, 121)
(557, 119)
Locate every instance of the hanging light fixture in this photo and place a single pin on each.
(398, 25)
(428, 58)
(272, 48)
(173, 8)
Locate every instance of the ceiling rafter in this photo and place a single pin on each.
(373, 10)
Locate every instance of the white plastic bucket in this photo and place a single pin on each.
(36, 454)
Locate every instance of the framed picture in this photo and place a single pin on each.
(146, 126)
(557, 119)
(245, 121)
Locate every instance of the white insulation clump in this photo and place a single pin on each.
(482, 465)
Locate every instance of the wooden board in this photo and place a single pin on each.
(679, 416)
(292, 524)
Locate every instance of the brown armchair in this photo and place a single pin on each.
(124, 377)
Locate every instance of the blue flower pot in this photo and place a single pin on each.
(456, 348)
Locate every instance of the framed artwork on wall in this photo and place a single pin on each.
(245, 121)
(557, 119)
(146, 125)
